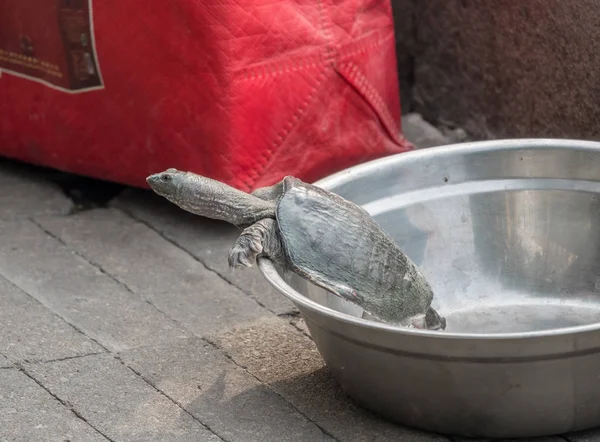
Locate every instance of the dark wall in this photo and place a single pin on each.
(502, 68)
(404, 20)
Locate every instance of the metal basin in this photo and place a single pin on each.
(508, 233)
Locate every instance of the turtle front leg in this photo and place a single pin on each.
(260, 238)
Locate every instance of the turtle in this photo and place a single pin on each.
(317, 234)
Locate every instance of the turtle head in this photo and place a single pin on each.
(168, 184)
(210, 198)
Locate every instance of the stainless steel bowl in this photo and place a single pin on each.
(508, 233)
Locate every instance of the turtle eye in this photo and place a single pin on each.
(166, 177)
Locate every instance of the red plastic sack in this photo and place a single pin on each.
(242, 91)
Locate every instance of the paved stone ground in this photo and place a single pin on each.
(124, 323)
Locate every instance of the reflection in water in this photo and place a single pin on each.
(541, 241)
(502, 260)
(516, 318)
(411, 239)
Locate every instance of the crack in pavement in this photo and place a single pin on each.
(222, 351)
(195, 258)
(158, 390)
(74, 327)
(228, 356)
(66, 358)
(64, 403)
(124, 285)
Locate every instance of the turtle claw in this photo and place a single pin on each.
(244, 251)
(431, 320)
(239, 257)
(418, 322)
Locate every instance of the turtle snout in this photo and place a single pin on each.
(153, 179)
(161, 182)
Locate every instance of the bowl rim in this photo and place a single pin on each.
(270, 273)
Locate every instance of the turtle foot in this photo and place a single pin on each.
(258, 239)
(244, 251)
(431, 320)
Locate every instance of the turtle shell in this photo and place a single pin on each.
(331, 242)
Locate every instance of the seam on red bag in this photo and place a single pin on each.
(360, 82)
(364, 45)
(330, 48)
(269, 70)
(256, 172)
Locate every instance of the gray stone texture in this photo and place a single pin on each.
(219, 393)
(4, 362)
(79, 292)
(31, 332)
(25, 193)
(208, 240)
(510, 68)
(584, 436)
(421, 133)
(156, 270)
(117, 402)
(535, 439)
(278, 355)
(29, 413)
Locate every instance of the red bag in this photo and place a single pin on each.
(244, 92)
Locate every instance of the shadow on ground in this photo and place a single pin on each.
(85, 193)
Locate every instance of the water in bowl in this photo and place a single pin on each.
(549, 314)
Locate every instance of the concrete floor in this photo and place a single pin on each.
(124, 324)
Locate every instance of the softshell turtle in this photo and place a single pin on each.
(317, 234)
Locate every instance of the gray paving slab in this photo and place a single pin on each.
(208, 240)
(117, 402)
(282, 357)
(530, 439)
(29, 413)
(79, 292)
(592, 435)
(156, 269)
(4, 362)
(298, 322)
(25, 194)
(31, 332)
(222, 395)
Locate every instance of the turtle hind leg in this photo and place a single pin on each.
(260, 238)
(433, 320)
(430, 320)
